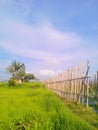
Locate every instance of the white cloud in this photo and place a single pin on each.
(40, 41)
(39, 35)
(46, 71)
(53, 48)
(45, 74)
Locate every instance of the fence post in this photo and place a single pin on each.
(78, 85)
(82, 84)
(75, 82)
(88, 65)
(95, 85)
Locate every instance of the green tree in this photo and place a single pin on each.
(29, 77)
(17, 69)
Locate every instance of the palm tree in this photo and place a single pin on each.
(17, 69)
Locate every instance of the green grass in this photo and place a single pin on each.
(86, 113)
(31, 107)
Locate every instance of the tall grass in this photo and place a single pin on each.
(32, 107)
(85, 113)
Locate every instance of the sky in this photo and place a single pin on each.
(48, 36)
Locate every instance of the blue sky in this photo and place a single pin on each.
(48, 36)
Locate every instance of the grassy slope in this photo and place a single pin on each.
(87, 114)
(25, 108)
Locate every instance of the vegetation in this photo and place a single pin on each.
(28, 77)
(17, 69)
(29, 106)
(11, 82)
(87, 114)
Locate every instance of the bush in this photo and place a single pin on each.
(11, 82)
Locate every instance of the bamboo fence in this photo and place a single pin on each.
(72, 84)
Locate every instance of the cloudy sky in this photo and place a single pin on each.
(48, 36)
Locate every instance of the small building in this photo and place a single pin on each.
(19, 80)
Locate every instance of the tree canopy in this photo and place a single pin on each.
(29, 76)
(17, 69)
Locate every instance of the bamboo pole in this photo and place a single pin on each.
(78, 84)
(88, 65)
(82, 84)
(67, 83)
(75, 91)
(71, 82)
(87, 92)
(95, 85)
(65, 86)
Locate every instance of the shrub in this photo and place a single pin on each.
(11, 82)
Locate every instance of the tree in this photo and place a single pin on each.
(17, 69)
(29, 77)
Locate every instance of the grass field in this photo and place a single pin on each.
(30, 106)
